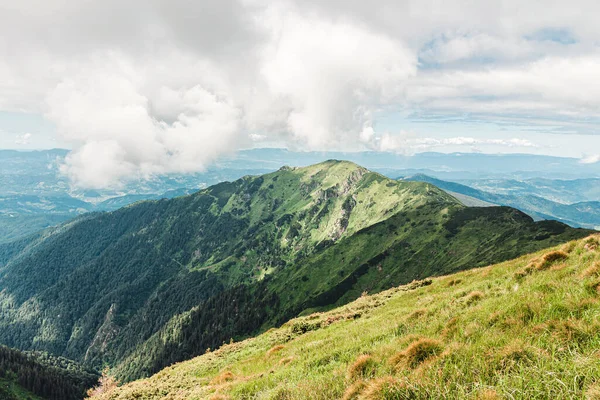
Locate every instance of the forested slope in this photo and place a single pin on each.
(40, 375)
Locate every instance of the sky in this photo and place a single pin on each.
(143, 87)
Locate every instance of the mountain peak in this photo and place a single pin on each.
(331, 164)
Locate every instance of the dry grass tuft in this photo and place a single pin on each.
(586, 304)
(593, 287)
(387, 388)
(275, 349)
(226, 376)
(593, 391)
(219, 396)
(514, 354)
(417, 314)
(592, 243)
(571, 331)
(353, 391)
(474, 297)
(592, 270)
(495, 318)
(416, 353)
(407, 340)
(520, 274)
(286, 360)
(363, 367)
(550, 258)
(488, 394)
(451, 327)
(454, 282)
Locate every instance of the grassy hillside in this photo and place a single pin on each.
(524, 329)
(161, 281)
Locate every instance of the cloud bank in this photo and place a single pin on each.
(151, 87)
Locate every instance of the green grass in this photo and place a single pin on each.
(503, 331)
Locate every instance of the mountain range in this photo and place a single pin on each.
(161, 281)
(581, 214)
(34, 194)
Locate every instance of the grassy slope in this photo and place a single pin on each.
(523, 329)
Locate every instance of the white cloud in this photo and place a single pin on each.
(23, 139)
(407, 142)
(148, 87)
(314, 84)
(592, 159)
(548, 87)
(330, 76)
(125, 127)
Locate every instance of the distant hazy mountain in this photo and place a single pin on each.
(581, 214)
(558, 190)
(36, 172)
(475, 165)
(34, 195)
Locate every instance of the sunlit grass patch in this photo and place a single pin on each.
(488, 394)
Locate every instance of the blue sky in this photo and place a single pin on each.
(151, 87)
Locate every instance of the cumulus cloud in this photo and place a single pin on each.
(122, 125)
(23, 139)
(592, 159)
(151, 87)
(407, 142)
(195, 89)
(542, 87)
(331, 76)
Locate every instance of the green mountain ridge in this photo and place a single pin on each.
(161, 281)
